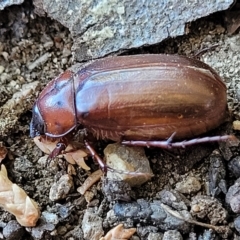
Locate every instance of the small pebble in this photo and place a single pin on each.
(155, 236)
(127, 159)
(173, 199)
(5, 55)
(217, 175)
(50, 217)
(208, 234)
(55, 60)
(61, 230)
(64, 61)
(144, 231)
(39, 61)
(13, 230)
(233, 196)
(61, 188)
(92, 225)
(1, 69)
(189, 185)
(206, 207)
(234, 166)
(172, 235)
(66, 52)
(48, 44)
(41, 229)
(116, 190)
(237, 224)
(236, 125)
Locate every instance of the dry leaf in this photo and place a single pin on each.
(71, 170)
(72, 155)
(78, 158)
(14, 200)
(119, 233)
(94, 177)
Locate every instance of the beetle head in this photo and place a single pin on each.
(54, 112)
(37, 124)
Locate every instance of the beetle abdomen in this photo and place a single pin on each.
(150, 97)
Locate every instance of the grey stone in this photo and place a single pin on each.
(188, 185)
(7, 3)
(127, 159)
(61, 188)
(13, 230)
(103, 27)
(155, 236)
(42, 230)
(172, 235)
(92, 225)
(233, 196)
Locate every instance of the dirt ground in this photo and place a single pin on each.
(34, 50)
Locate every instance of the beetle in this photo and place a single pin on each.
(139, 99)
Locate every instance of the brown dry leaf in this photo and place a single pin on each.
(14, 200)
(119, 233)
(71, 170)
(72, 155)
(3, 151)
(93, 178)
(77, 157)
(45, 145)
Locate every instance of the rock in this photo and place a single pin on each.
(189, 185)
(42, 230)
(208, 234)
(153, 212)
(50, 217)
(233, 196)
(61, 188)
(1, 69)
(116, 190)
(237, 224)
(92, 225)
(7, 3)
(127, 159)
(172, 235)
(236, 125)
(155, 236)
(217, 175)
(13, 230)
(103, 27)
(144, 231)
(208, 207)
(173, 199)
(234, 166)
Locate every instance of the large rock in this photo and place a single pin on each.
(106, 26)
(8, 3)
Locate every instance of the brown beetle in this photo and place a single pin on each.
(141, 97)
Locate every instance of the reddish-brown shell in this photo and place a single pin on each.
(140, 97)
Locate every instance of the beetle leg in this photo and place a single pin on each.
(96, 157)
(104, 167)
(167, 144)
(60, 147)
